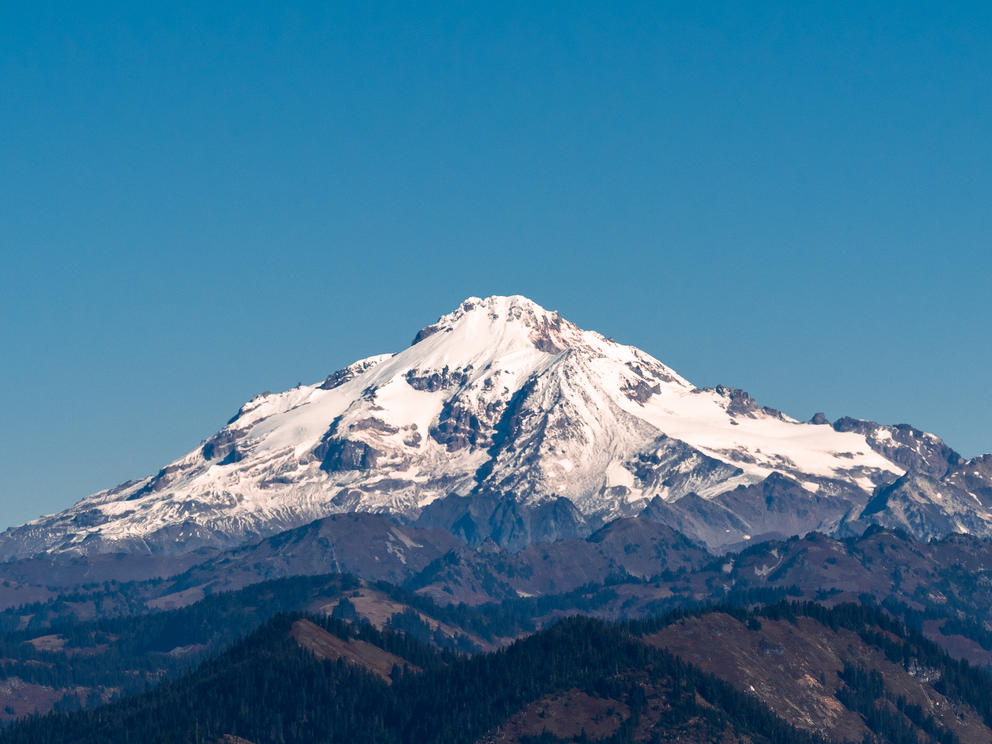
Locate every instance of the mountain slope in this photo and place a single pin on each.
(843, 672)
(94, 643)
(785, 673)
(500, 399)
(958, 500)
(305, 680)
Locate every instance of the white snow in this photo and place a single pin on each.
(618, 475)
(700, 419)
(405, 539)
(403, 405)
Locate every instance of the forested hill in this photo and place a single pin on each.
(272, 688)
(314, 679)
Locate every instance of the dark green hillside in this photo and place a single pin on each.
(789, 672)
(270, 689)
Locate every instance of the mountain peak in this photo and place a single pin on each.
(499, 396)
(503, 318)
(506, 303)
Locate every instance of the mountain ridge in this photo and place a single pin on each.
(502, 399)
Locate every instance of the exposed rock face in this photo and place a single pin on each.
(740, 403)
(928, 507)
(340, 377)
(460, 426)
(433, 380)
(975, 477)
(641, 390)
(910, 448)
(223, 447)
(504, 400)
(337, 455)
(676, 469)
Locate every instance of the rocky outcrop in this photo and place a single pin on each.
(337, 455)
(929, 507)
(914, 450)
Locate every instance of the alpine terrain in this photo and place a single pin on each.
(505, 421)
(397, 553)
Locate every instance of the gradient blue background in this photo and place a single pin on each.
(201, 203)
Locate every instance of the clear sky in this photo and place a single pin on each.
(203, 201)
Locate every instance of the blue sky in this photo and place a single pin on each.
(201, 203)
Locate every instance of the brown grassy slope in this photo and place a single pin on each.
(325, 645)
(794, 669)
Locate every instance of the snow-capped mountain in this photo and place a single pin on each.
(505, 399)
